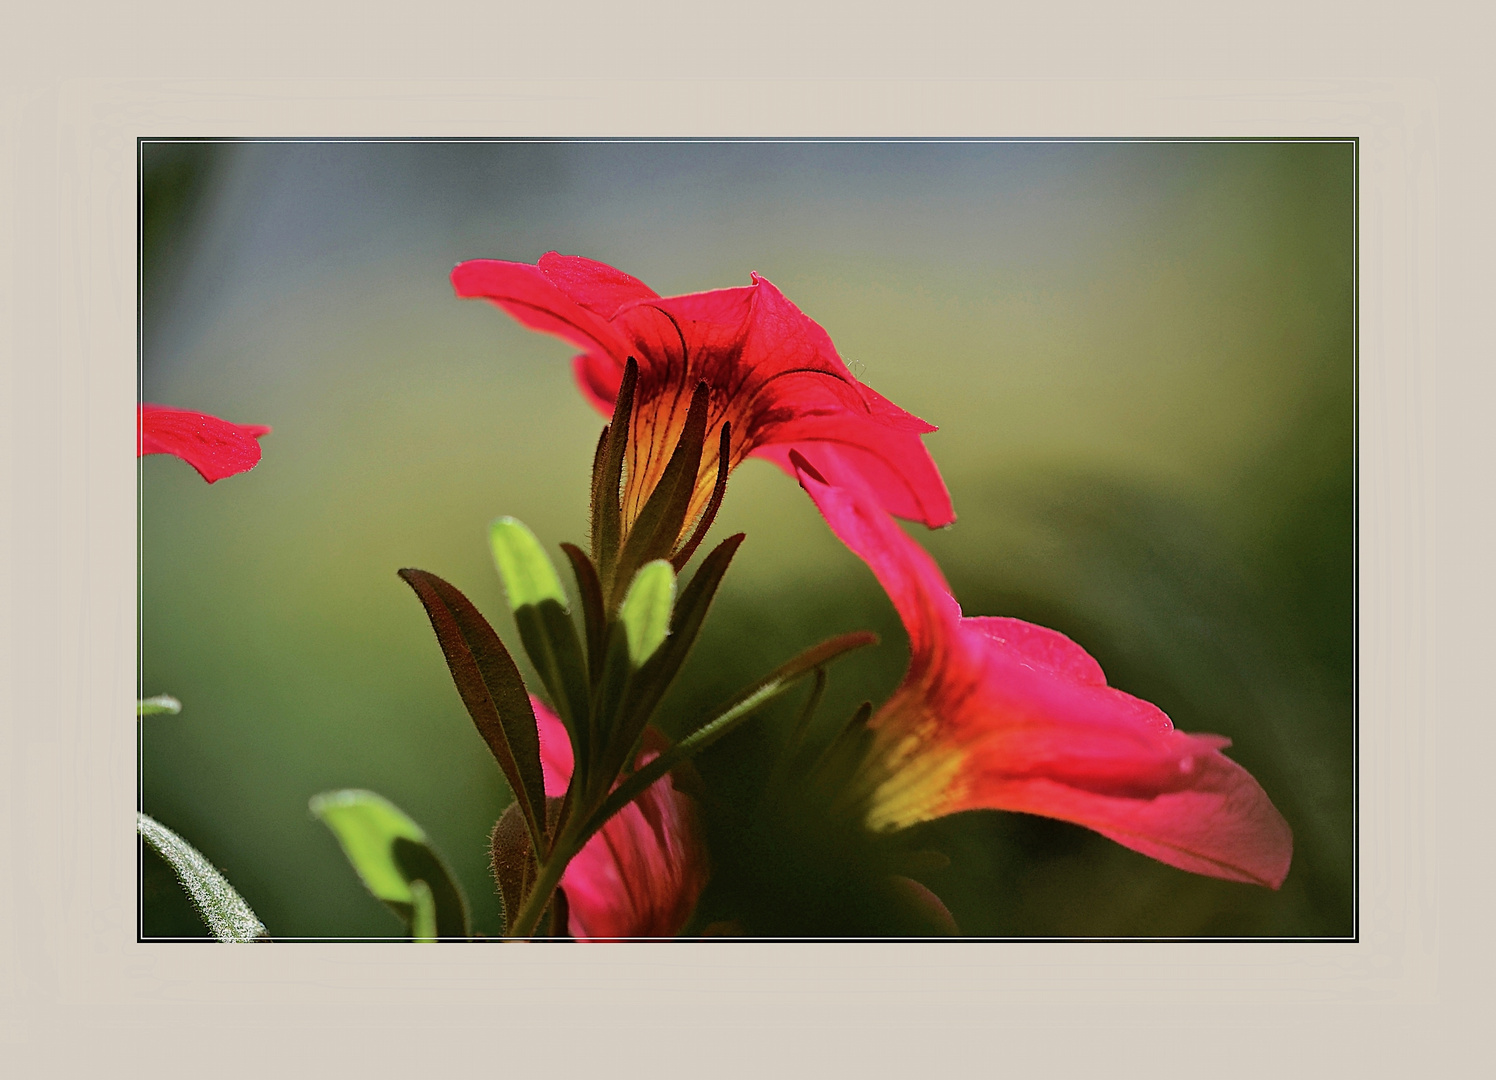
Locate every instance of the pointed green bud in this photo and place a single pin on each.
(645, 612)
(529, 577)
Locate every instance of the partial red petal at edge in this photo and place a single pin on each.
(214, 447)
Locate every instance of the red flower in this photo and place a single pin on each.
(772, 372)
(1000, 714)
(214, 447)
(641, 874)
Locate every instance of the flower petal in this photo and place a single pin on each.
(774, 375)
(527, 294)
(595, 286)
(910, 577)
(1222, 825)
(1000, 714)
(214, 447)
(893, 465)
(599, 378)
(1040, 645)
(642, 873)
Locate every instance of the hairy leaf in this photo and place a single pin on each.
(491, 689)
(224, 910)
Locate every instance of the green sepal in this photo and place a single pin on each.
(607, 477)
(648, 685)
(654, 532)
(161, 703)
(633, 641)
(744, 705)
(491, 689)
(708, 515)
(594, 617)
(545, 628)
(613, 692)
(228, 917)
(645, 611)
(392, 856)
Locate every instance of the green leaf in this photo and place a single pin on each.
(735, 712)
(392, 856)
(491, 689)
(224, 910)
(549, 637)
(529, 577)
(645, 612)
(161, 703)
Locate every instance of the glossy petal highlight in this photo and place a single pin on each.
(1004, 715)
(773, 374)
(214, 447)
(642, 873)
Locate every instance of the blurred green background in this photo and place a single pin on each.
(1140, 357)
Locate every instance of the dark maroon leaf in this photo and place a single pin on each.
(490, 687)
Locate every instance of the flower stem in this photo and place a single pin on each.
(549, 875)
(535, 904)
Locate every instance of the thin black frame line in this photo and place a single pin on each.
(956, 939)
(746, 140)
(1356, 541)
(1355, 143)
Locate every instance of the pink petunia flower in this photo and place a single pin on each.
(773, 374)
(1000, 714)
(642, 873)
(214, 447)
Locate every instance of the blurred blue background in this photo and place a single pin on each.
(1140, 356)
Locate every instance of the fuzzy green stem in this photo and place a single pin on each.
(545, 885)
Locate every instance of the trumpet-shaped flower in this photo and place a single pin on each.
(214, 447)
(996, 713)
(641, 874)
(771, 372)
